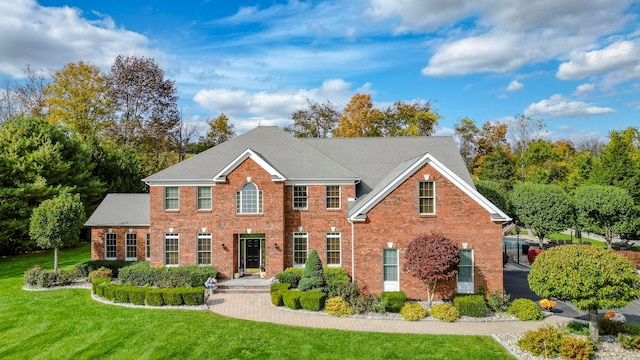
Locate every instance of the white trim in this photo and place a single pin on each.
(306, 197)
(248, 154)
(115, 238)
(299, 234)
(326, 198)
(359, 214)
(178, 182)
(175, 236)
(333, 235)
(126, 246)
(210, 198)
(433, 197)
(391, 285)
(291, 182)
(467, 287)
(204, 236)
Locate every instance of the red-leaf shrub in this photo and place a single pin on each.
(531, 256)
(634, 256)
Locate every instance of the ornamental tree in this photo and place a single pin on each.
(57, 223)
(589, 277)
(545, 208)
(431, 258)
(313, 274)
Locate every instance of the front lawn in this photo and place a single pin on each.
(68, 324)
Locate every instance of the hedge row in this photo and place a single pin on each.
(141, 274)
(308, 300)
(148, 296)
(86, 267)
(393, 300)
(48, 278)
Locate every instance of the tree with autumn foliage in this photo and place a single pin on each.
(359, 118)
(315, 121)
(409, 119)
(431, 258)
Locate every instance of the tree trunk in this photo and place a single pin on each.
(593, 324)
(431, 292)
(55, 259)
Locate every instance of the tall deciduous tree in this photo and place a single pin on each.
(496, 193)
(619, 163)
(220, 130)
(404, 119)
(315, 121)
(30, 93)
(431, 258)
(359, 118)
(466, 132)
(57, 222)
(524, 130)
(544, 208)
(590, 277)
(605, 210)
(38, 162)
(78, 98)
(497, 166)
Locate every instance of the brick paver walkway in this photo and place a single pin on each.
(258, 307)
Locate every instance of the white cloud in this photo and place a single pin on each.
(621, 57)
(245, 109)
(558, 106)
(50, 37)
(515, 85)
(584, 89)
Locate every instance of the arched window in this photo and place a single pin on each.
(249, 200)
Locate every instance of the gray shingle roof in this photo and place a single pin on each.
(121, 210)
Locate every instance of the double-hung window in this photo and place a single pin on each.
(204, 249)
(204, 197)
(171, 249)
(427, 197)
(465, 272)
(110, 246)
(299, 197)
(390, 270)
(299, 248)
(249, 200)
(131, 247)
(333, 249)
(333, 197)
(171, 198)
(148, 247)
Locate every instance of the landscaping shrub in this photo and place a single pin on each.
(470, 305)
(313, 274)
(336, 306)
(545, 341)
(291, 299)
(610, 327)
(413, 312)
(276, 297)
(525, 309)
(99, 273)
(445, 312)
(122, 293)
(336, 278)
(368, 302)
(577, 349)
(630, 342)
(313, 300)
(578, 328)
(291, 276)
(110, 292)
(153, 297)
(99, 289)
(48, 278)
(633, 256)
(279, 286)
(137, 295)
(348, 291)
(172, 296)
(393, 300)
(498, 301)
(84, 268)
(531, 256)
(96, 282)
(193, 296)
(141, 274)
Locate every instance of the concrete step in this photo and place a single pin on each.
(243, 285)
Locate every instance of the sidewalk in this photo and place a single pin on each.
(258, 307)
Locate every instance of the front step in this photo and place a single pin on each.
(244, 285)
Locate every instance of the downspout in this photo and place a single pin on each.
(353, 264)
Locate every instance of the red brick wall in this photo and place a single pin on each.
(98, 238)
(396, 219)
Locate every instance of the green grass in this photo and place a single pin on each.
(559, 236)
(68, 324)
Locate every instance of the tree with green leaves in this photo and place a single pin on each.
(497, 166)
(466, 131)
(605, 210)
(315, 121)
(496, 193)
(544, 208)
(590, 277)
(313, 274)
(619, 162)
(38, 162)
(56, 223)
(409, 119)
(431, 258)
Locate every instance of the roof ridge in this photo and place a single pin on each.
(324, 156)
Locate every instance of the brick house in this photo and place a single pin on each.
(263, 200)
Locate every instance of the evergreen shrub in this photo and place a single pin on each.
(498, 301)
(99, 289)
(96, 282)
(338, 307)
(470, 305)
(142, 274)
(193, 296)
(84, 268)
(445, 312)
(153, 297)
(279, 286)
(525, 309)
(276, 297)
(313, 274)
(545, 341)
(137, 295)
(291, 299)
(393, 300)
(48, 278)
(122, 293)
(577, 349)
(628, 341)
(291, 276)
(313, 300)
(335, 278)
(110, 292)
(413, 312)
(99, 273)
(172, 296)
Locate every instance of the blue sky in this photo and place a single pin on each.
(574, 64)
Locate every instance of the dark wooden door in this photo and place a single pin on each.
(253, 253)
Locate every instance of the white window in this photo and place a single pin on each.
(333, 197)
(204, 198)
(427, 197)
(110, 246)
(131, 247)
(390, 270)
(148, 247)
(299, 249)
(171, 198)
(333, 249)
(171, 249)
(465, 272)
(204, 249)
(299, 197)
(249, 200)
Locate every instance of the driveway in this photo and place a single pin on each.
(516, 285)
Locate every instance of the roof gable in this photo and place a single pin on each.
(121, 210)
(248, 154)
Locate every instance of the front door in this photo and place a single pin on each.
(253, 254)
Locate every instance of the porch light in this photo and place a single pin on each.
(465, 245)
(248, 230)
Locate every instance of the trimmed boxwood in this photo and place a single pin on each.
(99, 289)
(98, 281)
(141, 274)
(393, 300)
(84, 268)
(291, 299)
(470, 305)
(279, 286)
(525, 309)
(172, 296)
(193, 296)
(291, 276)
(137, 295)
(276, 297)
(110, 292)
(122, 294)
(153, 297)
(313, 300)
